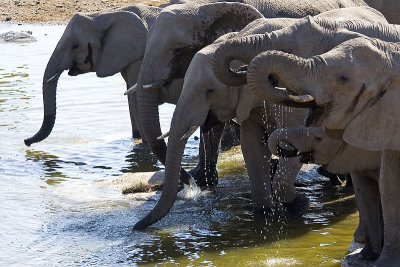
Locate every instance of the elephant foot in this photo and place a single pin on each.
(354, 260)
(298, 206)
(205, 177)
(368, 253)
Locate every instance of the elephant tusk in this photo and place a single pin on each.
(132, 89)
(189, 132)
(301, 98)
(135, 87)
(54, 76)
(163, 136)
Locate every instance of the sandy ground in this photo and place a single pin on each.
(58, 11)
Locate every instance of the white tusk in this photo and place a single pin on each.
(149, 86)
(189, 132)
(54, 76)
(132, 89)
(301, 98)
(163, 136)
(136, 88)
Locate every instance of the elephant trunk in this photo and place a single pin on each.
(242, 49)
(176, 145)
(289, 142)
(50, 81)
(150, 121)
(274, 68)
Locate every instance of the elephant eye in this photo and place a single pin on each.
(210, 91)
(76, 46)
(343, 78)
(179, 51)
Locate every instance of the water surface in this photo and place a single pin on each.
(54, 213)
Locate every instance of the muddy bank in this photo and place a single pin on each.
(58, 11)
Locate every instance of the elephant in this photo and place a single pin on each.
(108, 43)
(205, 94)
(337, 156)
(299, 39)
(351, 91)
(181, 30)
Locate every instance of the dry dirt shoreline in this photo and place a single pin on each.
(58, 11)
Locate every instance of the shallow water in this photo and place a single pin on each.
(54, 213)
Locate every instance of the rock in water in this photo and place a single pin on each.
(17, 37)
(136, 182)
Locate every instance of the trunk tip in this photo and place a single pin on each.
(143, 223)
(28, 141)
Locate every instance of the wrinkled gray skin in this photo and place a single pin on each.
(96, 43)
(225, 105)
(356, 92)
(299, 39)
(182, 30)
(123, 33)
(338, 157)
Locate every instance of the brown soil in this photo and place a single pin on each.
(58, 11)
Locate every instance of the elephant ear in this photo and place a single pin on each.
(223, 17)
(377, 127)
(123, 41)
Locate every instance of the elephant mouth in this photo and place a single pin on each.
(287, 150)
(210, 122)
(317, 113)
(74, 71)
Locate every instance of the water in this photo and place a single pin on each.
(53, 213)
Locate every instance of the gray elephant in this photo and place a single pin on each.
(182, 30)
(354, 92)
(97, 43)
(108, 43)
(338, 157)
(205, 94)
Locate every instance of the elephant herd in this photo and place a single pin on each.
(309, 81)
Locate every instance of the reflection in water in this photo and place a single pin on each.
(54, 213)
(12, 89)
(140, 159)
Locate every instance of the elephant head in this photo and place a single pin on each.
(95, 43)
(181, 30)
(317, 147)
(353, 86)
(308, 36)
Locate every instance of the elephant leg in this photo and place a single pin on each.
(389, 187)
(134, 117)
(368, 202)
(283, 186)
(257, 159)
(205, 173)
(230, 136)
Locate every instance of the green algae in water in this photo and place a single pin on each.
(231, 162)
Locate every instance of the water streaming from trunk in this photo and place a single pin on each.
(54, 213)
